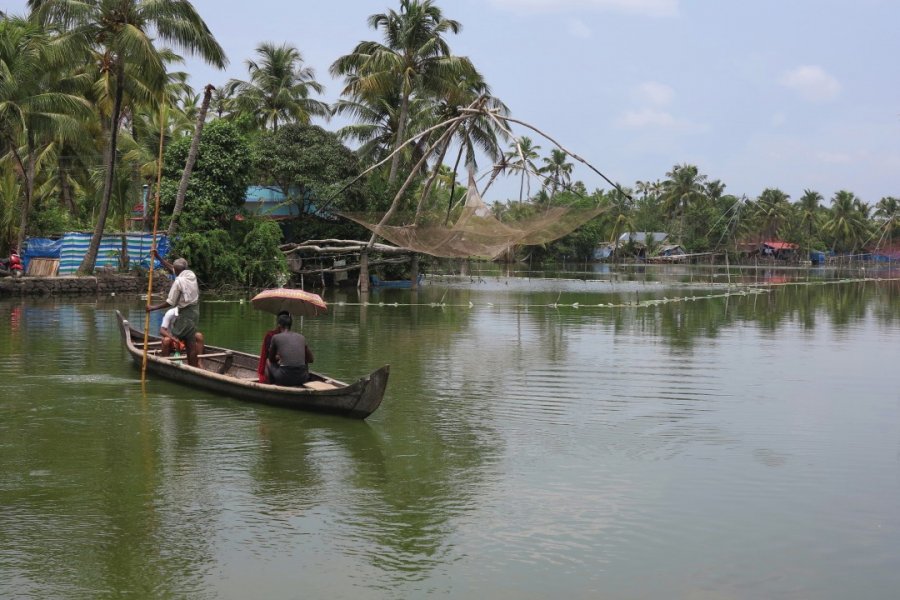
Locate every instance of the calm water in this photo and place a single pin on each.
(679, 441)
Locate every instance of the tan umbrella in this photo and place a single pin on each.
(299, 303)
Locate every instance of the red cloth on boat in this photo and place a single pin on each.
(264, 355)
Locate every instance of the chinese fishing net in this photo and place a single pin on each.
(475, 232)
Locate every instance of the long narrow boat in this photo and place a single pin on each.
(233, 373)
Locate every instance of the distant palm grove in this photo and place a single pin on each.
(91, 92)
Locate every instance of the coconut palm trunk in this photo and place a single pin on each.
(189, 164)
(90, 257)
(401, 133)
(65, 189)
(29, 168)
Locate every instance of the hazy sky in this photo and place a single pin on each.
(793, 94)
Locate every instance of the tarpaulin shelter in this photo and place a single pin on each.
(71, 248)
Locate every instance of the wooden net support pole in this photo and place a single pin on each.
(162, 131)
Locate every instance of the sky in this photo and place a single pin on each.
(792, 94)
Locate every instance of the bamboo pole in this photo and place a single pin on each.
(162, 131)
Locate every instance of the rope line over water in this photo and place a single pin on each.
(745, 290)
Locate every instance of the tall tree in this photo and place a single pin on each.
(376, 119)
(521, 157)
(844, 224)
(684, 186)
(887, 212)
(809, 207)
(34, 112)
(558, 170)
(414, 59)
(279, 89)
(124, 32)
(189, 163)
(772, 209)
(618, 215)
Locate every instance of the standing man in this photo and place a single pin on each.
(184, 295)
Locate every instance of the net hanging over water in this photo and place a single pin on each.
(476, 232)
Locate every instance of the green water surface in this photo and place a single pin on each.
(653, 434)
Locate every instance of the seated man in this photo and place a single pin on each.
(289, 356)
(262, 370)
(171, 343)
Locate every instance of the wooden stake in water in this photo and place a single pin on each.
(162, 131)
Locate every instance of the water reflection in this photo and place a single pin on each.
(526, 447)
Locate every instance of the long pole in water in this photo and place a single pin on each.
(162, 131)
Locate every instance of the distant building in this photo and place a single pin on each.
(773, 249)
(270, 202)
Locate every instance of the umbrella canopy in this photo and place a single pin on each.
(299, 303)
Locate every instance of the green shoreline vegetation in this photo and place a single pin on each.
(89, 88)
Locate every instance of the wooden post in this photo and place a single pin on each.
(414, 272)
(727, 269)
(363, 283)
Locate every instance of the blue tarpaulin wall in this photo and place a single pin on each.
(71, 248)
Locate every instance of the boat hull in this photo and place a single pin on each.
(238, 379)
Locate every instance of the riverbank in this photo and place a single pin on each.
(65, 286)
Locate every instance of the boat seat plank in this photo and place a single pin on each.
(211, 355)
(226, 364)
(319, 386)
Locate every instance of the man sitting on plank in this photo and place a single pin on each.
(170, 343)
(288, 355)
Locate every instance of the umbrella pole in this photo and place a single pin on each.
(162, 131)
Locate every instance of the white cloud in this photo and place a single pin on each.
(652, 99)
(648, 8)
(651, 118)
(578, 29)
(654, 93)
(811, 82)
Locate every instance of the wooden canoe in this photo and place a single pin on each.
(234, 374)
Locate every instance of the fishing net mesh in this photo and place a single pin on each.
(475, 232)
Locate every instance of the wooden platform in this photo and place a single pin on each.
(43, 267)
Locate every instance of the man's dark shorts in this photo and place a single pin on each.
(288, 375)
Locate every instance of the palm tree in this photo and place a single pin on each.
(34, 111)
(520, 157)
(887, 211)
(558, 170)
(620, 207)
(684, 186)
(809, 207)
(222, 100)
(376, 122)
(124, 32)
(10, 191)
(772, 209)
(279, 88)
(413, 60)
(844, 224)
(476, 132)
(189, 164)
